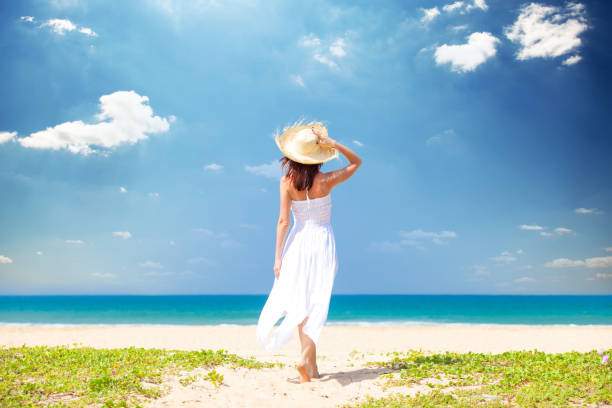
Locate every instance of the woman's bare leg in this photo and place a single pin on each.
(309, 354)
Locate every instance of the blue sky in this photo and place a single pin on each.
(136, 150)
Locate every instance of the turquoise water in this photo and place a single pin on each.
(344, 309)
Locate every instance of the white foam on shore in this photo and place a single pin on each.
(341, 323)
(30, 324)
(408, 323)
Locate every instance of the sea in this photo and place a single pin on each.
(347, 310)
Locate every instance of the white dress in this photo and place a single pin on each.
(308, 269)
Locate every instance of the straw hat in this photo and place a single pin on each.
(299, 143)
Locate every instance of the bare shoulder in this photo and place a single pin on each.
(285, 184)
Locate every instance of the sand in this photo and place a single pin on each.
(342, 352)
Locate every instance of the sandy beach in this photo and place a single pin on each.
(342, 354)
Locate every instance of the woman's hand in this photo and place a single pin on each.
(324, 141)
(277, 268)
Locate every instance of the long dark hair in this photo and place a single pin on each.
(301, 175)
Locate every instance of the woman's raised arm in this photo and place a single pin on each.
(333, 178)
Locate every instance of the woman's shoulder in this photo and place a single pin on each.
(323, 178)
(286, 184)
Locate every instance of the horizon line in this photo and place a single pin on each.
(333, 294)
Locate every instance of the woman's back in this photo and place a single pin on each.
(320, 188)
(312, 210)
(305, 264)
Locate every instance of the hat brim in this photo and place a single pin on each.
(322, 155)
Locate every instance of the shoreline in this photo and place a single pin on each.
(334, 340)
(328, 324)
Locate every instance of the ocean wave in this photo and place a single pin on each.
(330, 323)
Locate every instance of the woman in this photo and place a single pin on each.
(305, 265)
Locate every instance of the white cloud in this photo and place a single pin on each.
(465, 7)
(27, 19)
(158, 273)
(5, 260)
(74, 241)
(223, 238)
(433, 140)
(430, 14)
(199, 260)
(358, 143)
(122, 189)
(411, 238)
(204, 231)
(64, 3)
(427, 49)
(88, 31)
(459, 27)
(452, 6)
(526, 267)
(608, 249)
(62, 26)
(125, 117)
(597, 262)
(563, 231)
(524, 279)
(271, 170)
(103, 275)
(563, 263)
(604, 276)
(180, 9)
(337, 48)
(248, 226)
(213, 167)
(424, 234)
(479, 270)
(417, 234)
(151, 265)
(532, 227)
(7, 136)
(448, 137)
(520, 251)
(59, 26)
(466, 57)
(546, 234)
(122, 234)
(547, 31)
(479, 4)
(229, 243)
(584, 211)
(309, 40)
(504, 257)
(325, 61)
(574, 59)
(154, 195)
(298, 80)
(39, 253)
(172, 243)
(324, 55)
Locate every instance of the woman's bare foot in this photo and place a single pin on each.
(313, 371)
(304, 377)
(316, 372)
